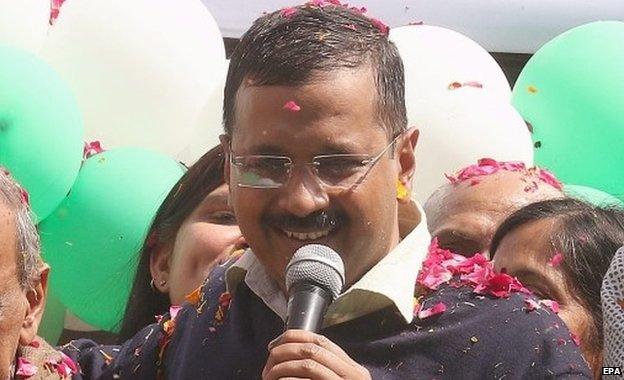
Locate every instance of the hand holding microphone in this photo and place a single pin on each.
(314, 279)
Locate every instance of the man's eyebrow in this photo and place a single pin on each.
(328, 147)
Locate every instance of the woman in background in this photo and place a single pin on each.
(193, 230)
(561, 249)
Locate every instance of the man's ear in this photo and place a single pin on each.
(36, 297)
(407, 157)
(160, 267)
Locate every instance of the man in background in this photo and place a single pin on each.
(464, 213)
(23, 283)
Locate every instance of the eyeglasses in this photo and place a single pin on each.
(335, 171)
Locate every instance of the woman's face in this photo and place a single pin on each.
(525, 252)
(207, 237)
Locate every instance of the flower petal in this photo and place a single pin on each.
(553, 305)
(556, 260)
(292, 106)
(25, 368)
(531, 304)
(288, 12)
(436, 309)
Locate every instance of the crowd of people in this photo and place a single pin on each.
(499, 275)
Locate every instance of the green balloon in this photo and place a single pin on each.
(53, 320)
(92, 239)
(591, 195)
(572, 93)
(41, 131)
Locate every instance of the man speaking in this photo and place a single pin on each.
(318, 152)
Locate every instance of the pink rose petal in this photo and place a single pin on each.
(91, 148)
(25, 368)
(531, 304)
(288, 12)
(435, 276)
(436, 309)
(549, 178)
(457, 85)
(174, 310)
(487, 166)
(383, 28)
(556, 260)
(25, 197)
(553, 305)
(472, 84)
(55, 9)
(292, 106)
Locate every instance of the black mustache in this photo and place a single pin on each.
(320, 220)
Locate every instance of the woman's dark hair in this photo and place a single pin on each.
(316, 38)
(587, 236)
(202, 178)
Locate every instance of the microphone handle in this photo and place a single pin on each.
(307, 303)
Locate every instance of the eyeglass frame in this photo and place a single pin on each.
(370, 162)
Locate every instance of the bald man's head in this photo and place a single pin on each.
(465, 213)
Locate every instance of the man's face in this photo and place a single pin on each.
(337, 116)
(464, 217)
(13, 301)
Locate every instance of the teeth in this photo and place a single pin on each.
(306, 236)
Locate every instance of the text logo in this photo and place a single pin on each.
(612, 371)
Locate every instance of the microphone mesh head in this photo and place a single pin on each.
(318, 264)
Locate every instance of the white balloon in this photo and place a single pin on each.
(140, 69)
(436, 57)
(208, 126)
(461, 127)
(24, 23)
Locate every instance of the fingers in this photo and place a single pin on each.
(305, 359)
(302, 336)
(302, 354)
(304, 368)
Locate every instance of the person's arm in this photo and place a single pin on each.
(137, 358)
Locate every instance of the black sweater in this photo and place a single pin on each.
(476, 338)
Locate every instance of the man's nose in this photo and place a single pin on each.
(303, 194)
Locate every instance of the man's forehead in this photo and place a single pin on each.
(339, 105)
(501, 192)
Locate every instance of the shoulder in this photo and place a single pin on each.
(44, 361)
(505, 335)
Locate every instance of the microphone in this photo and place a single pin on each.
(314, 279)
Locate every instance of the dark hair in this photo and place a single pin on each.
(587, 236)
(202, 178)
(316, 38)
